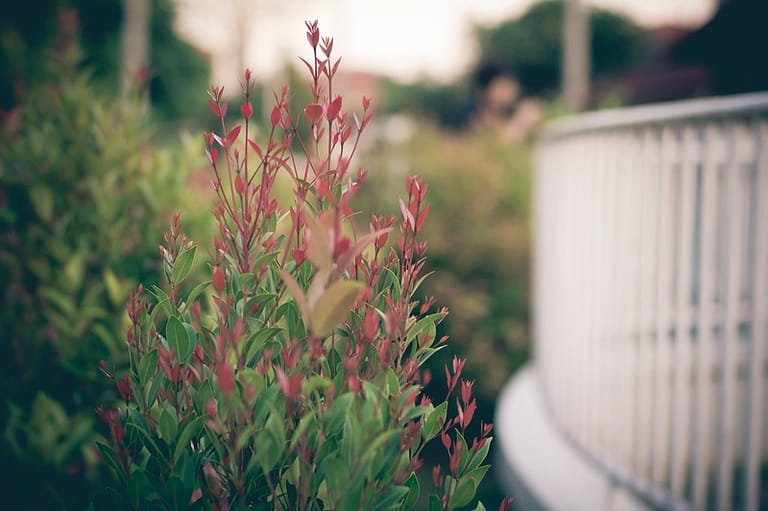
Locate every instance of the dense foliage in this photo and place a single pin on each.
(292, 379)
(479, 240)
(83, 198)
(29, 29)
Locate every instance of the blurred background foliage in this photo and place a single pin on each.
(477, 235)
(28, 30)
(530, 47)
(85, 195)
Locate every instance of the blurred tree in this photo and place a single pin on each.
(177, 72)
(447, 105)
(530, 47)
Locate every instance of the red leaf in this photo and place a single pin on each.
(345, 134)
(256, 148)
(407, 216)
(275, 116)
(422, 218)
(246, 108)
(311, 71)
(240, 185)
(334, 107)
(213, 155)
(366, 120)
(215, 108)
(336, 66)
(314, 112)
(225, 377)
(232, 135)
(218, 279)
(370, 324)
(353, 383)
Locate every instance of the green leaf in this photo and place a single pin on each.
(479, 457)
(190, 431)
(478, 474)
(464, 493)
(391, 283)
(390, 498)
(255, 344)
(433, 421)
(179, 339)
(168, 425)
(304, 424)
(480, 507)
(109, 456)
(147, 367)
(177, 493)
(412, 483)
(424, 325)
(154, 390)
(296, 292)
(315, 382)
(196, 291)
(138, 489)
(334, 305)
(339, 409)
(336, 475)
(393, 383)
(434, 503)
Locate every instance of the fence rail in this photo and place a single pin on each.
(651, 283)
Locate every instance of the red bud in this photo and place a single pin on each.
(219, 280)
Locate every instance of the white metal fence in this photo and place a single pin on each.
(651, 284)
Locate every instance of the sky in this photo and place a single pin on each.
(404, 39)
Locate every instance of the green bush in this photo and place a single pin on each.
(478, 237)
(84, 196)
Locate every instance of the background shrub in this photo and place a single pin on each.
(84, 197)
(478, 238)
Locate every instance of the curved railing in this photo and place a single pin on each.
(651, 296)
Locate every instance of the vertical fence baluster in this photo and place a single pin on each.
(681, 437)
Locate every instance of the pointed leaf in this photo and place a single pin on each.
(334, 305)
(183, 265)
(232, 135)
(413, 492)
(318, 246)
(352, 252)
(297, 293)
(147, 366)
(177, 338)
(465, 492)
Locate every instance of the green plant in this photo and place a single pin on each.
(478, 240)
(301, 387)
(82, 194)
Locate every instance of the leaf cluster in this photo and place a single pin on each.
(293, 377)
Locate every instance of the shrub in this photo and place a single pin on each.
(299, 385)
(82, 192)
(478, 241)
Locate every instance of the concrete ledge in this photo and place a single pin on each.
(538, 466)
